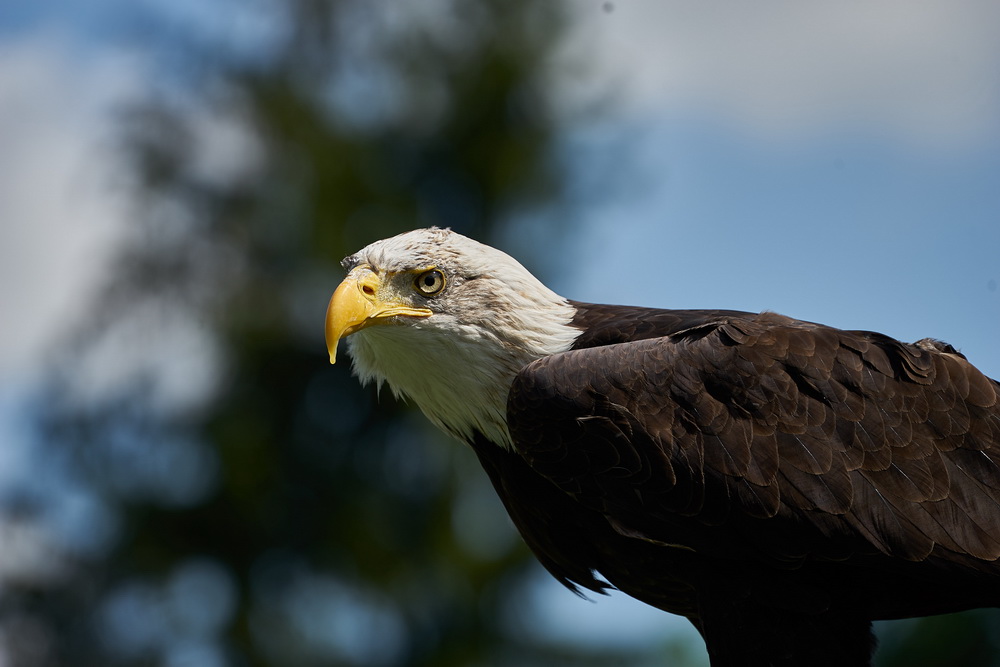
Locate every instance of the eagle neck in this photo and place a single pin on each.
(459, 374)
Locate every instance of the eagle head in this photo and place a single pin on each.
(446, 322)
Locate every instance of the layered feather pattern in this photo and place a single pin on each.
(759, 437)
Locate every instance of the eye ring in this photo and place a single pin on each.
(429, 282)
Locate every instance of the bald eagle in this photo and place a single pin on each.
(780, 483)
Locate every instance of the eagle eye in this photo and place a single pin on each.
(429, 282)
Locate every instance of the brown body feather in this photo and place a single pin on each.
(779, 482)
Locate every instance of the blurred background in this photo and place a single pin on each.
(185, 480)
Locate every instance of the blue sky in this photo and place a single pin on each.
(837, 162)
(842, 230)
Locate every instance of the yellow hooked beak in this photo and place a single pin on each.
(356, 305)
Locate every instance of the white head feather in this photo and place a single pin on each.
(492, 319)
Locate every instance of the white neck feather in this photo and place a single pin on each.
(459, 373)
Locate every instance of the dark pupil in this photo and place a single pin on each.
(429, 280)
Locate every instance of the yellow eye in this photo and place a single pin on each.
(430, 282)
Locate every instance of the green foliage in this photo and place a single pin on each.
(317, 524)
(970, 639)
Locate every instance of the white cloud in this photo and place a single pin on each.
(922, 71)
(60, 212)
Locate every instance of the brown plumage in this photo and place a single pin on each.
(778, 482)
(841, 476)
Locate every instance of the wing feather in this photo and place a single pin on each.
(856, 442)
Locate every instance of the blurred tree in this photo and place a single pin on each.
(254, 505)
